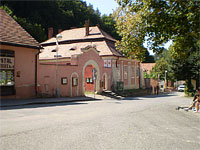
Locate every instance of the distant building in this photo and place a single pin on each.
(18, 60)
(147, 67)
(82, 51)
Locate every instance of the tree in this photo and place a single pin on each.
(158, 71)
(148, 58)
(35, 30)
(108, 24)
(159, 21)
(130, 27)
(163, 63)
(37, 16)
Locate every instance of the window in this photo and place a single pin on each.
(64, 80)
(125, 72)
(138, 71)
(133, 71)
(118, 72)
(107, 64)
(7, 77)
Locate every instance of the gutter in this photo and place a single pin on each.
(139, 75)
(19, 45)
(77, 41)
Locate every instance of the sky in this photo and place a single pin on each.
(107, 7)
(104, 6)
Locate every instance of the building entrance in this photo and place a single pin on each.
(91, 77)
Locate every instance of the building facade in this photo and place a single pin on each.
(18, 60)
(85, 60)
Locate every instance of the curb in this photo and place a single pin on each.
(46, 102)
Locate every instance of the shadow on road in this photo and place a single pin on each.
(79, 102)
(149, 96)
(53, 104)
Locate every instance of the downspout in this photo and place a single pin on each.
(36, 70)
(139, 76)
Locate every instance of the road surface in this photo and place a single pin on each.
(140, 123)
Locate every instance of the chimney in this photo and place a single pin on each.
(59, 30)
(86, 27)
(50, 32)
(98, 25)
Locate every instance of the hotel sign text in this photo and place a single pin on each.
(7, 62)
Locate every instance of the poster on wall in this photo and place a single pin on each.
(74, 81)
(64, 80)
(88, 80)
(91, 81)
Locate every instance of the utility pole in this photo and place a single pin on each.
(94, 71)
(59, 36)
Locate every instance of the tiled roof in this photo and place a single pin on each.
(67, 50)
(105, 47)
(12, 33)
(79, 34)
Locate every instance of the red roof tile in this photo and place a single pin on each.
(79, 34)
(12, 33)
(106, 46)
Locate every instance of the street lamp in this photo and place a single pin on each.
(165, 78)
(58, 37)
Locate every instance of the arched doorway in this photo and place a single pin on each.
(89, 83)
(105, 81)
(74, 84)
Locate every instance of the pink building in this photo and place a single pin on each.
(18, 60)
(87, 60)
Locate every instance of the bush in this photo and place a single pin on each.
(189, 89)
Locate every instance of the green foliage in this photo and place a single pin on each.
(37, 16)
(146, 75)
(130, 28)
(163, 63)
(189, 89)
(148, 58)
(35, 30)
(159, 22)
(108, 24)
(159, 69)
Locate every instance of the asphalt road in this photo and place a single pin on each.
(141, 123)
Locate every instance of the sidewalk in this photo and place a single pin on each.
(18, 102)
(87, 97)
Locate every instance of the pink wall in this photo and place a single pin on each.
(25, 64)
(125, 63)
(47, 76)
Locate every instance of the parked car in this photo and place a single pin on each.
(181, 88)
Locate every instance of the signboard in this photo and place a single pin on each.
(94, 75)
(64, 80)
(7, 62)
(74, 81)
